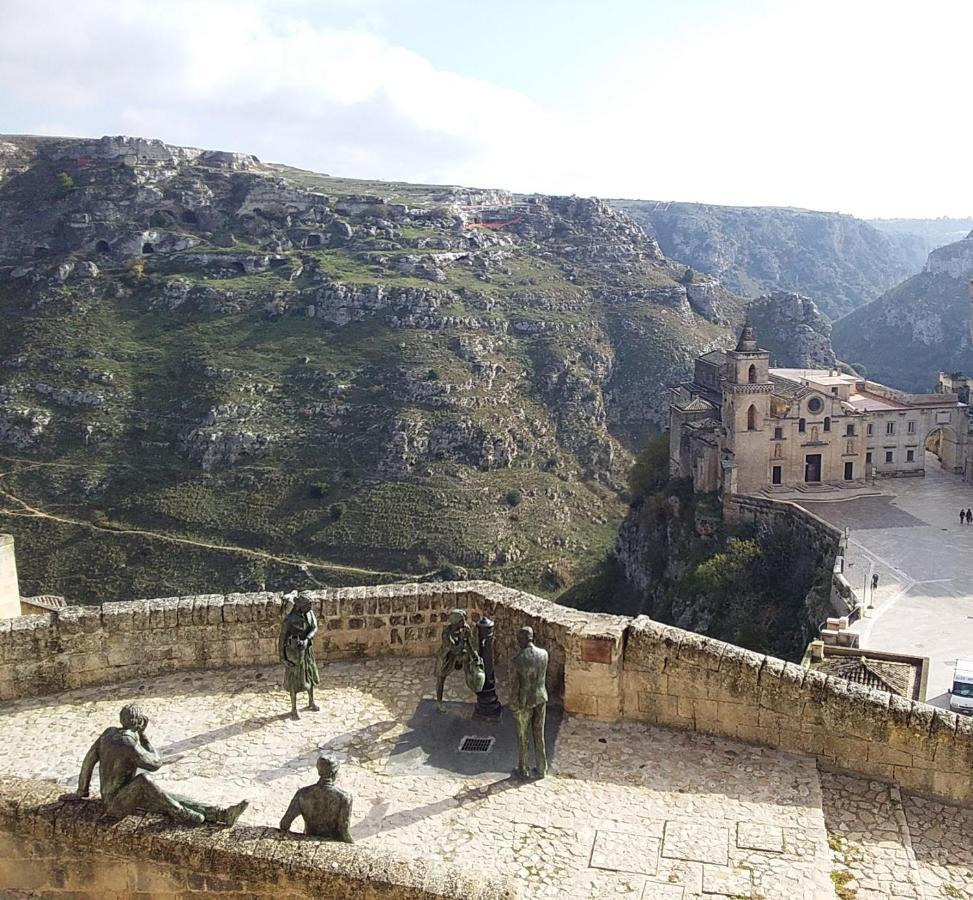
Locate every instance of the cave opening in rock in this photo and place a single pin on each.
(189, 217)
(103, 247)
(147, 248)
(312, 240)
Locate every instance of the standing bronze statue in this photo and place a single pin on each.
(458, 651)
(120, 753)
(528, 702)
(297, 653)
(326, 809)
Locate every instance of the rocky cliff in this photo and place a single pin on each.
(918, 328)
(793, 329)
(220, 374)
(838, 260)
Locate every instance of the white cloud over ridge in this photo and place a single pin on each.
(833, 105)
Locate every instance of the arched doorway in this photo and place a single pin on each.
(752, 418)
(943, 443)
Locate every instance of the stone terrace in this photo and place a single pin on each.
(632, 811)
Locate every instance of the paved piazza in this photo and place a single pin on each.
(632, 811)
(912, 537)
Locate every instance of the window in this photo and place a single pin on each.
(890, 427)
(801, 425)
(778, 434)
(834, 390)
(889, 455)
(910, 455)
(849, 471)
(869, 429)
(850, 429)
(815, 405)
(827, 423)
(775, 475)
(911, 429)
(752, 375)
(752, 418)
(868, 457)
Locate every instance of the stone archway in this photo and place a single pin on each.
(943, 443)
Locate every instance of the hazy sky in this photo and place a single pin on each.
(853, 105)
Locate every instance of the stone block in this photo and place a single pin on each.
(696, 841)
(625, 852)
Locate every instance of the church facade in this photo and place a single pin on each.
(740, 426)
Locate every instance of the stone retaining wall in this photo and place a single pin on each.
(602, 666)
(51, 847)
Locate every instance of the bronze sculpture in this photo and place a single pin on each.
(120, 753)
(297, 653)
(326, 809)
(458, 651)
(528, 702)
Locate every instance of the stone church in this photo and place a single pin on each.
(742, 427)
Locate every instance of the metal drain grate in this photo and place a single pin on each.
(476, 744)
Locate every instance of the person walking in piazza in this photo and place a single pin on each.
(458, 651)
(120, 753)
(326, 809)
(528, 702)
(969, 516)
(962, 517)
(297, 653)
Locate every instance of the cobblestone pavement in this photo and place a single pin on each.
(886, 844)
(632, 811)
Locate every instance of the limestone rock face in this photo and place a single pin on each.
(792, 328)
(840, 261)
(917, 329)
(389, 376)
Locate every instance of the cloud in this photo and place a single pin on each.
(832, 105)
(252, 76)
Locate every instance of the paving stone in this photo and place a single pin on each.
(618, 790)
(625, 852)
(726, 880)
(655, 890)
(696, 841)
(756, 836)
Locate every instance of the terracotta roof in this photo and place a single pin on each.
(879, 674)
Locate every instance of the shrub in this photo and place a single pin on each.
(63, 185)
(318, 490)
(337, 510)
(514, 497)
(136, 268)
(651, 467)
(688, 276)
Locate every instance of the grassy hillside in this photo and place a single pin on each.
(218, 374)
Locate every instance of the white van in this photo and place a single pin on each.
(961, 694)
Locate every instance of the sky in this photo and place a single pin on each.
(857, 106)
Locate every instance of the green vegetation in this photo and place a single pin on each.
(63, 185)
(475, 416)
(650, 471)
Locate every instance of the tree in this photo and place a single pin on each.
(651, 467)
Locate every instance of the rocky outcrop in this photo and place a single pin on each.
(917, 329)
(840, 261)
(792, 328)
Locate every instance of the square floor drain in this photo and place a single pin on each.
(476, 744)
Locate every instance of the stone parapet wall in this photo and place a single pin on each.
(51, 847)
(679, 679)
(602, 666)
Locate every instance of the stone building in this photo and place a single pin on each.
(740, 426)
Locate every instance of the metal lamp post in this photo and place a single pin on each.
(487, 704)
